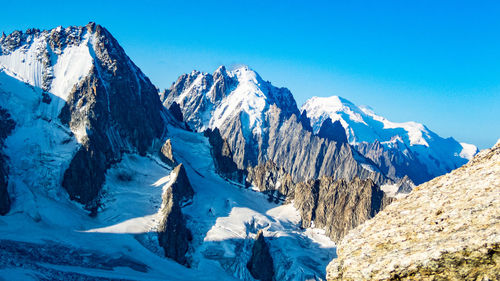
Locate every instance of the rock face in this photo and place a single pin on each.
(114, 109)
(223, 157)
(271, 179)
(338, 206)
(261, 264)
(393, 162)
(173, 235)
(445, 229)
(306, 156)
(176, 112)
(6, 127)
(332, 131)
(334, 205)
(181, 185)
(166, 154)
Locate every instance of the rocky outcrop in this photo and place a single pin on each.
(176, 112)
(113, 110)
(223, 157)
(306, 156)
(181, 186)
(261, 264)
(338, 206)
(6, 127)
(445, 229)
(334, 205)
(393, 162)
(273, 180)
(332, 131)
(166, 154)
(173, 235)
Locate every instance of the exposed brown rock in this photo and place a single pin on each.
(271, 179)
(166, 153)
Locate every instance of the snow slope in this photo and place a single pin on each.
(225, 218)
(361, 124)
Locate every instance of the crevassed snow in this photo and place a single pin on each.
(223, 217)
(40, 147)
(363, 125)
(25, 63)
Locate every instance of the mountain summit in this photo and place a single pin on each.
(389, 144)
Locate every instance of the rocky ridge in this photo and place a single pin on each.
(261, 264)
(445, 229)
(173, 235)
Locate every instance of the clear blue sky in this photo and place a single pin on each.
(434, 62)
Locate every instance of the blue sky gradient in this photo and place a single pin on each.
(434, 62)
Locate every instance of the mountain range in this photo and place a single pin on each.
(221, 176)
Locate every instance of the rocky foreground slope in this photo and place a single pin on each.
(446, 229)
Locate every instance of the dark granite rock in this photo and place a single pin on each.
(173, 235)
(223, 157)
(261, 264)
(176, 112)
(6, 127)
(333, 131)
(181, 185)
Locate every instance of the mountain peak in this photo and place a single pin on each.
(363, 125)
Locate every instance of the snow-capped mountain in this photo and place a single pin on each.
(256, 127)
(211, 100)
(424, 153)
(83, 89)
(103, 178)
(262, 123)
(82, 128)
